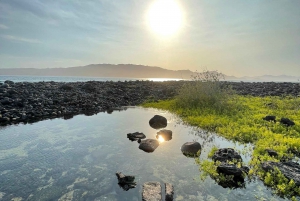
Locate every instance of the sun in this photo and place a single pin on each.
(165, 17)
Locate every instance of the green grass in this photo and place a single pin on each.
(242, 121)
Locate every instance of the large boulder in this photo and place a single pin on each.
(148, 145)
(165, 134)
(192, 149)
(158, 122)
(151, 191)
(227, 154)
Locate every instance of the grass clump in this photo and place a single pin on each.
(205, 91)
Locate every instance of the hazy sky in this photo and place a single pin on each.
(249, 37)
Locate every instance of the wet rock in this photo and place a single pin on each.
(287, 122)
(290, 169)
(230, 169)
(270, 118)
(192, 149)
(165, 134)
(136, 136)
(158, 122)
(9, 82)
(126, 182)
(151, 191)
(169, 191)
(227, 154)
(272, 152)
(148, 145)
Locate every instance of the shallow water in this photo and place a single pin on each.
(77, 159)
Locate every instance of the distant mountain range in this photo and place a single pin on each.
(132, 71)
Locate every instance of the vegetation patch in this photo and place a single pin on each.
(241, 119)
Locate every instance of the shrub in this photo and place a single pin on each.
(205, 90)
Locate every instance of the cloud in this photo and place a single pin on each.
(2, 26)
(15, 38)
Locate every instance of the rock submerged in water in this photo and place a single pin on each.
(151, 191)
(158, 122)
(165, 134)
(126, 182)
(227, 154)
(191, 149)
(148, 145)
(136, 136)
(169, 191)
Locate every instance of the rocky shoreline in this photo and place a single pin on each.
(30, 102)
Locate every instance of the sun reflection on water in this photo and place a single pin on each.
(160, 139)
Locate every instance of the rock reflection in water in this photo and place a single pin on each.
(164, 135)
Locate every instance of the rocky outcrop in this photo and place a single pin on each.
(149, 145)
(290, 169)
(158, 122)
(151, 191)
(165, 134)
(30, 102)
(191, 149)
(227, 154)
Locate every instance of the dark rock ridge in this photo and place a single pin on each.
(158, 122)
(289, 169)
(191, 149)
(31, 102)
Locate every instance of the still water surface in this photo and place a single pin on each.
(77, 159)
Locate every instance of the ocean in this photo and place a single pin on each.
(76, 79)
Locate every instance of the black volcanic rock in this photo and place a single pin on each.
(191, 149)
(136, 136)
(227, 154)
(287, 122)
(158, 122)
(148, 145)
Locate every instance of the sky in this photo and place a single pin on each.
(239, 38)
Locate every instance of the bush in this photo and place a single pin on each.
(205, 90)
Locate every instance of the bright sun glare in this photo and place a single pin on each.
(161, 139)
(165, 17)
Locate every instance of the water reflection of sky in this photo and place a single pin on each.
(77, 159)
